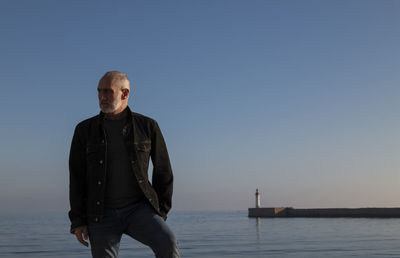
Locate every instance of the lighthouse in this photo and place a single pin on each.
(258, 202)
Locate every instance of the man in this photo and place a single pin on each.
(110, 194)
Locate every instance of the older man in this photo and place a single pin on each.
(110, 194)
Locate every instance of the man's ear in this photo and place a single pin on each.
(125, 93)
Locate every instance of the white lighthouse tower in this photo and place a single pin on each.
(258, 202)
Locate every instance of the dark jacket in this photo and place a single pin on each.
(88, 163)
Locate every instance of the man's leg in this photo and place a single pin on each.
(147, 227)
(105, 236)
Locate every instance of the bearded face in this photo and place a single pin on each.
(110, 105)
(110, 97)
(113, 95)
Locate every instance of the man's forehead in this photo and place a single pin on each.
(107, 84)
(103, 85)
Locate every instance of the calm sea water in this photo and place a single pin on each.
(216, 234)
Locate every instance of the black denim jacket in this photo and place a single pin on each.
(88, 163)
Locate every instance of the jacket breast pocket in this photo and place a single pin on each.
(143, 151)
(143, 146)
(93, 154)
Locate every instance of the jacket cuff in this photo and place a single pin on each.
(76, 224)
(163, 214)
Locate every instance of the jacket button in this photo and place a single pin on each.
(99, 182)
(140, 181)
(102, 141)
(150, 199)
(98, 203)
(133, 161)
(101, 161)
(96, 219)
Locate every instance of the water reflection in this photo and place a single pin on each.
(258, 222)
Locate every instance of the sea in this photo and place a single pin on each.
(215, 234)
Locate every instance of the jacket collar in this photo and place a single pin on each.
(128, 118)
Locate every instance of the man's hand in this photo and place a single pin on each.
(81, 233)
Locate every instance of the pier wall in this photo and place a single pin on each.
(325, 213)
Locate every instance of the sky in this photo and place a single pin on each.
(299, 99)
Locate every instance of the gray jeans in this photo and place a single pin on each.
(139, 221)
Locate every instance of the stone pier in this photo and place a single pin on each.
(289, 212)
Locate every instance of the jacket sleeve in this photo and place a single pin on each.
(162, 178)
(77, 181)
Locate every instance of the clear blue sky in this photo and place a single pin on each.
(297, 98)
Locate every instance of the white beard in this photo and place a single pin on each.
(111, 107)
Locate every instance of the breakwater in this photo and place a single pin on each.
(289, 212)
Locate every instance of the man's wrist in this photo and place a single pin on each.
(73, 229)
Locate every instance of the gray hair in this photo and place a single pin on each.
(113, 76)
